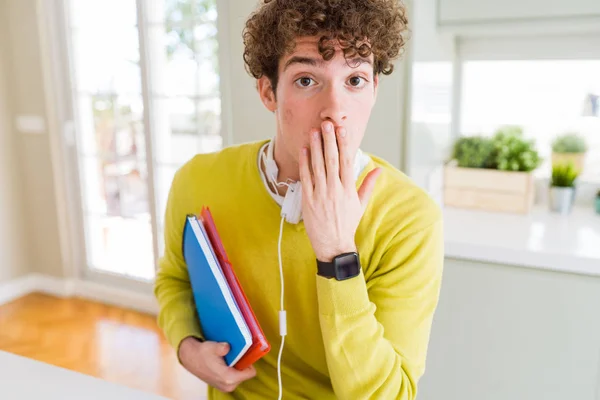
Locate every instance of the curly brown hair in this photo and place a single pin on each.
(359, 27)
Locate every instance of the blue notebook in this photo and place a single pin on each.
(220, 317)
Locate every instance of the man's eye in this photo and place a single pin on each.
(304, 81)
(356, 81)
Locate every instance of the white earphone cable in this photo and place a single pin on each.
(282, 314)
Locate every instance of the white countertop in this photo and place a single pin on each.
(25, 379)
(569, 243)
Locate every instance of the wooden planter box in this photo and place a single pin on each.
(488, 189)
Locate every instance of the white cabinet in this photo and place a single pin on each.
(503, 332)
(465, 11)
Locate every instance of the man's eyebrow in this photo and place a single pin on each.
(356, 61)
(318, 62)
(313, 62)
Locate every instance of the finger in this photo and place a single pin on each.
(305, 175)
(366, 189)
(330, 152)
(234, 377)
(226, 387)
(246, 374)
(346, 160)
(222, 349)
(316, 158)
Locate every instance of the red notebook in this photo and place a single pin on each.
(260, 346)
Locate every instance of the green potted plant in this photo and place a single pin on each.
(507, 150)
(512, 152)
(562, 187)
(473, 151)
(598, 202)
(571, 147)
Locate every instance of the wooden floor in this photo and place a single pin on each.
(121, 346)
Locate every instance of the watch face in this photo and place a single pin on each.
(347, 266)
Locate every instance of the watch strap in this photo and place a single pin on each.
(343, 266)
(325, 269)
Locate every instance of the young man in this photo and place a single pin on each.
(362, 268)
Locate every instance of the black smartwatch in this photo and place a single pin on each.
(344, 266)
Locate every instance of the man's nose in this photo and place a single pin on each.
(333, 106)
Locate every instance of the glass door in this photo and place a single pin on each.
(145, 95)
(184, 88)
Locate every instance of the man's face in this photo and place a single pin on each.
(311, 90)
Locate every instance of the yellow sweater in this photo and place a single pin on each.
(363, 338)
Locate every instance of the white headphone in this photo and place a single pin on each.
(291, 205)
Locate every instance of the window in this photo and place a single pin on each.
(431, 118)
(145, 86)
(545, 95)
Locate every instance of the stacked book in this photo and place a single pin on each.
(223, 310)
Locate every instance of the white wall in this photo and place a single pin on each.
(13, 253)
(33, 151)
(251, 121)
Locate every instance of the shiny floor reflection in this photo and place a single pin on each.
(118, 345)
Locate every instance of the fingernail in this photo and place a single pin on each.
(343, 132)
(315, 135)
(328, 127)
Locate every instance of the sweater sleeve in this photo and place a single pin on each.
(376, 331)
(172, 288)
